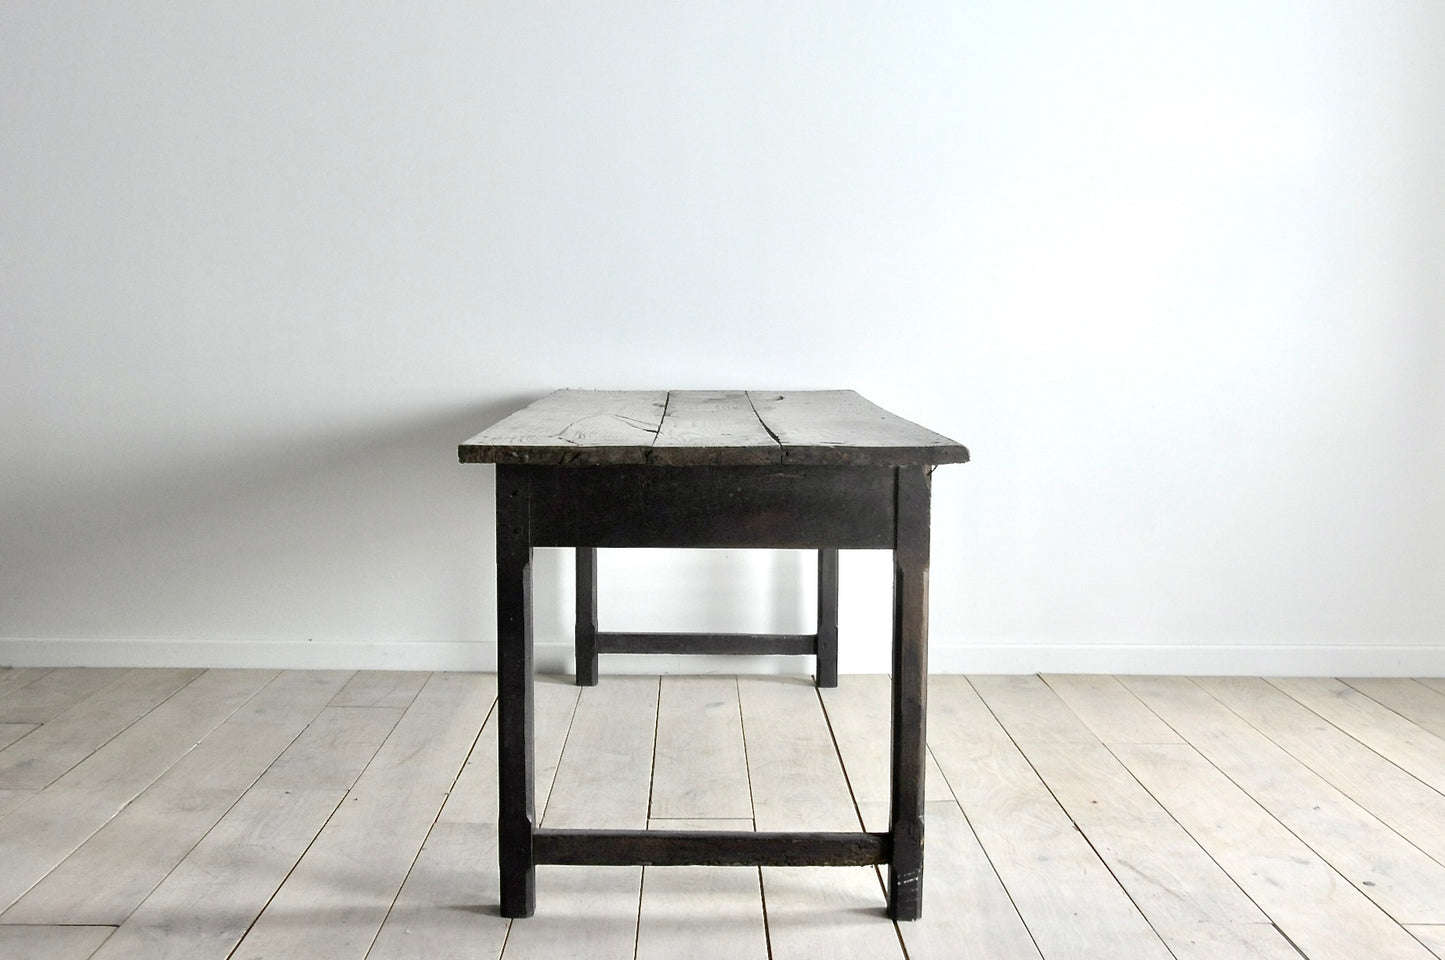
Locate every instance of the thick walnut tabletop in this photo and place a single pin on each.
(708, 428)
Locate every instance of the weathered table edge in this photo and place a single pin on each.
(937, 451)
(815, 456)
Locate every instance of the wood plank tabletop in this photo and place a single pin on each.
(708, 428)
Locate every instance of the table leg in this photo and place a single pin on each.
(586, 616)
(827, 667)
(514, 695)
(910, 692)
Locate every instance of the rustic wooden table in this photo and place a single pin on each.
(824, 470)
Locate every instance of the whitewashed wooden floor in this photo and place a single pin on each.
(212, 814)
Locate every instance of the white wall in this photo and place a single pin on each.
(1171, 270)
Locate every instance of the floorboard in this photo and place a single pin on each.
(1416, 702)
(1432, 937)
(381, 688)
(210, 815)
(207, 903)
(859, 711)
(603, 780)
(1190, 902)
(700, 768)
(474, 798)
(13, 678)
(700, 782)
(37, 835)
(1071, 903)
(1384, 866)
(1408, 745)
(336, 899)
(333, 750)
(79, 731)
(12, 732)
(1413, 809)
(51, 942)
(40, 698)
(703, 913)
(1107, 708)
(967, 912)
(798, 783)
(10, 799)
(144, 842)
(447, 909)
(1316, 908)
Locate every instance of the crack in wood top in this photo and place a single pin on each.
(708, 428)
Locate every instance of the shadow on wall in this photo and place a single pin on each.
(373, 532)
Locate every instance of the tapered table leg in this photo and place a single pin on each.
(910, 692)
(586, 616)
(827, 667)
(514, 694)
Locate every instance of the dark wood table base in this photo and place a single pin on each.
(816, 470)
(823, 508)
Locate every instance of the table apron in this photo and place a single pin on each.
(761, 506)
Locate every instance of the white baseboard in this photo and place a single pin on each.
(1263, 659)
(1238, 660)
(249, 654)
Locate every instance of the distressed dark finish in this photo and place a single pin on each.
(910, 694)
(691, 469)
(586, 633)
(720, 644)
(800, 507)
(827, 638)
(582, 427)
(588, 428)
(840, 428)
(716, 428)
(683, 848)
(515, 739)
